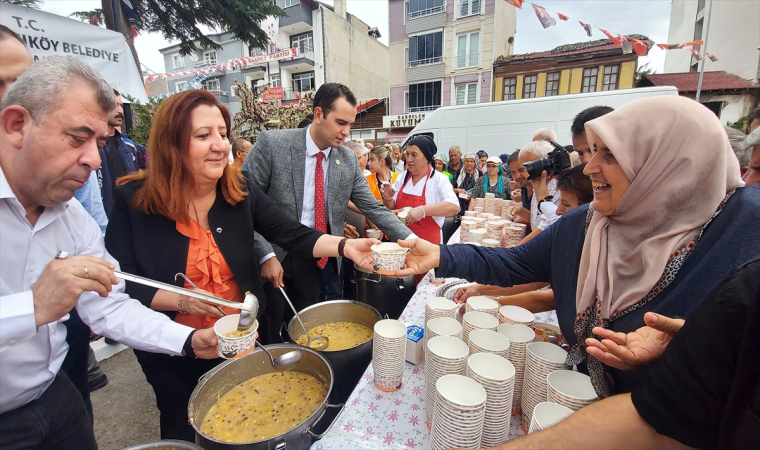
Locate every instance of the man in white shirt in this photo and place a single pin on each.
(52, 121)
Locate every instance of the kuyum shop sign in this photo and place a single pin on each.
(403, 121)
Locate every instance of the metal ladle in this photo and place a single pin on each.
(317, 342)
(248, 312)
(284, 362)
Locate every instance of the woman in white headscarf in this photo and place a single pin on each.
(669, 220)
(466, 181)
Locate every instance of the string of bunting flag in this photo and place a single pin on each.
(628, 44)
(227, 65)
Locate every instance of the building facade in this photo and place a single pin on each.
(734, 36)
(568, 69)
(332, 46)
(441, 53)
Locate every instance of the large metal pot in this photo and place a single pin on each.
(168, 444)
(389, 295)
(229, 374)
(349, 364)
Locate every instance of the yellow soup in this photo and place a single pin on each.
(237, 333)
(342, 335)
(264, 407)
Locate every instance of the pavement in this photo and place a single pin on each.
(125, 409)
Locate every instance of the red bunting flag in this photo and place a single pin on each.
(625, 44)
(616, 41)
(692, 43)
(668, 46)
(586, 27)
(544, 17)
(698, 56)
(712, 57)
(516, 3)
(563, 17)
(640, 47)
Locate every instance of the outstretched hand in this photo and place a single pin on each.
(360, 251)
(643, 346)
(422, 257)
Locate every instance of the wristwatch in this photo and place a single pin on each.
(341, 246)
(188, 347)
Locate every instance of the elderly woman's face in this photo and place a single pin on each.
(209, 146)
(416, 163)
(493, 169)
(607, 178)
(469, 165)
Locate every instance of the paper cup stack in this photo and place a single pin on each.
(477, 236)
(488, 341)
(445, 355)
(512, 234)
(491, 243)
(470, 214)
(475, 320)
(546, 414)
(442, 326)
(436, 307)
(491, 205)
(480, 222)
(506, 205)
(571, 389)
(480, 203)
(465, 228)
(483, 304)
(497, 376)
(519, 337)
(542, 358)
(389, 354)
(516, 315)
(459, 414)
(490, 195)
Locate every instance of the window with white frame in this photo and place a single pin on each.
(304, 42)
(274, 80)
(420, 8)
(466, 94)
(303, 82)
(209, 57)
(406, 101)
(180, 86)
(212, 85)
(467, 49)
(468, 7)
(426, 49)
(178, 61)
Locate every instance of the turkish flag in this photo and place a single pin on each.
(516, 3)
(616, 41)
(640, 47)
(563, 17)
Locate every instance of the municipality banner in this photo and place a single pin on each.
(105, 51)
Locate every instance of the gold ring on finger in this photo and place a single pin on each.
(87, 273)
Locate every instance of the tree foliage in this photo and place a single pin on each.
(179, 20)
(256, 116)
(142, 118)
(28, 3)
(94, 17)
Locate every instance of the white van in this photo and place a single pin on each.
(506, 126)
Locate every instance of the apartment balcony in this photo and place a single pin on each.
(255, 72)
(289, 95)
(218, 93)
(425, 69)
(298, 19)
(304, 62)
(426, 19)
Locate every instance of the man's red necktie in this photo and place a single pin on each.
(319, 202)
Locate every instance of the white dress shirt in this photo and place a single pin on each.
(536, 215)
(438, 190)
(30, 357)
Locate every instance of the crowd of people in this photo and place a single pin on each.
(646, 247)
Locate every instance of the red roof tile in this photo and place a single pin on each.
(367, 104)
(712, 81)
(578, 48)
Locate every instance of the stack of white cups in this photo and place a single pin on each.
(546, 414)
(516, 315)
(477, 236)
(483, 304)
(571, 389)
(542, 358)
(519, 337)
(488, 341)
(389, 354)
(474, 320)
(436, 307)
(445, 355)
(442, 326)
(497, 376)
(464, 230)
(459, 413)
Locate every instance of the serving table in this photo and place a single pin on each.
(373, 419)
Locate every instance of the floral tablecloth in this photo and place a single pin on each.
(373, 419)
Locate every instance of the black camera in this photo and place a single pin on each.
(557, 160)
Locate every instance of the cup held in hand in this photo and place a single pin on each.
(230, 345)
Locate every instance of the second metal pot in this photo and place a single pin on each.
(349, 364)
(389, 295)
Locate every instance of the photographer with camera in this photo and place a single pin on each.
(542, 160)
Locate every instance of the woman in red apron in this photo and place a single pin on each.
(420, 219)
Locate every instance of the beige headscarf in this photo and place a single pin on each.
(681, 166)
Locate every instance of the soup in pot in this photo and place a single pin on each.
(264, 407)
(341, 335)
